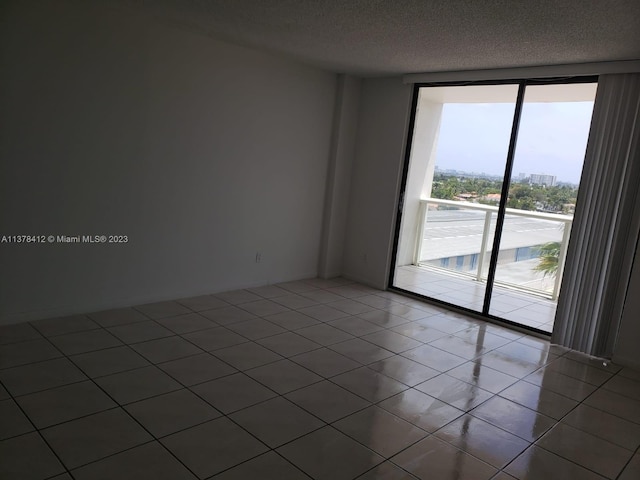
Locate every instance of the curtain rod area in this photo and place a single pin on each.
(543, 71)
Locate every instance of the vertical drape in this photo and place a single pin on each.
(606, 224)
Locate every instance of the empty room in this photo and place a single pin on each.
(335, 240)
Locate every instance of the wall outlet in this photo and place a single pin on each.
(258, 257)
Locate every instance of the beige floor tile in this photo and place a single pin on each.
(624, 386)
(461, 395)
(514, 418)
(587, 450)
(632, 469)
(536, 463)
(434, 458)
(539, 399)
(482, 376)
(348, 457)
(605, 425)
(562, 384)
(616, 404)
(425, 411)
(380, 431)
(483, 440)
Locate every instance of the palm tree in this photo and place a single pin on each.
(549, 255)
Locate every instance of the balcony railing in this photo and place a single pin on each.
(450, 229)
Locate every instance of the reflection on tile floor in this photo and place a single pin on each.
(323, 379)
(516, 306)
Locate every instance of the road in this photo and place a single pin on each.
(450, 233)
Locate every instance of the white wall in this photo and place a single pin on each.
(385, 107)
(203, 153)
(343, 144)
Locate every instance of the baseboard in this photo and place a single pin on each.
(113, 303)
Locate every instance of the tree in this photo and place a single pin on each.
(549, 256)
(522, 196)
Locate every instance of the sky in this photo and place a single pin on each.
(474, 137)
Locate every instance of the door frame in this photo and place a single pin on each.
(522, 83)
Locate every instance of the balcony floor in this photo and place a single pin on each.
(516, 306)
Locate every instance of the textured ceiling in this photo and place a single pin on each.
(381, 37)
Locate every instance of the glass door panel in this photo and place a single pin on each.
(455, 177)
(550, 148)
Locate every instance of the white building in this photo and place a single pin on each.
(542, 179)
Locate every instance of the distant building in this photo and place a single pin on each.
(542, 179)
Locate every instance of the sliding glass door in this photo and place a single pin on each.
(543, 192)
(491, 183)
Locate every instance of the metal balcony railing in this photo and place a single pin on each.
(510, 239)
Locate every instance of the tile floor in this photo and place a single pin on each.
(312, 379)
(516, 306)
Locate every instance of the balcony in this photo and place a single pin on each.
(451, 259)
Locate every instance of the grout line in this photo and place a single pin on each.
(118, 406)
